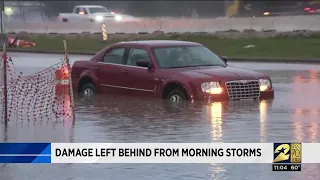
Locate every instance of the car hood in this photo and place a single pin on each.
(222, 73)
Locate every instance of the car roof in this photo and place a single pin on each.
(156, 43)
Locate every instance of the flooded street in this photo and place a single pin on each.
(294, 115)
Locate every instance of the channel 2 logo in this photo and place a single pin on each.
(287, 156)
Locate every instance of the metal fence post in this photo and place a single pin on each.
(5, 88)
(5, 96)
(70, 81)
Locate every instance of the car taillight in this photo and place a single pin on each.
(307, 9)
(312, 11)
(113, 12)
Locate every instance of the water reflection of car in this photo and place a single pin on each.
(174, 70)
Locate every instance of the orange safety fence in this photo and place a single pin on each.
(34, 97)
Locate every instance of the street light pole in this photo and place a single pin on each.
(2, 17)
(225, 3)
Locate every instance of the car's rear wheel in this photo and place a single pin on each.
(64, 20)
(177, 95)
(88, 90)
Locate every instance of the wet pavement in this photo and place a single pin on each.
(294, 115)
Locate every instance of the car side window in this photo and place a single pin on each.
(77, 10)
(114, 56)
(136, 54)
(84, 10)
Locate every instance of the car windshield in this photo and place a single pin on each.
(186, 56)
(98, 10)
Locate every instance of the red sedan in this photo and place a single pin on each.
(174, 70)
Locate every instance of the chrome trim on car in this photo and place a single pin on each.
(123, 65)
(240, 89)
(121, 87)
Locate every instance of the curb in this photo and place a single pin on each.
(234, 59)
(274, 60)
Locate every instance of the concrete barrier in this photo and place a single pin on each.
(279, 24)
(135, 36)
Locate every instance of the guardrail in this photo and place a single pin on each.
(279, 24)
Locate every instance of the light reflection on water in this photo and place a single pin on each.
(214, 115)
(263, 118)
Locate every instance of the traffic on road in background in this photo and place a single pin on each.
(173, 70)
(312, 8)
(93, 13)
(306, 8)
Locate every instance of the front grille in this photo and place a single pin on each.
(243, 89)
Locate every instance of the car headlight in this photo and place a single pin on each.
(265, 84)
(118, 18)
(8, 11)
(99, 18)
(211, 87)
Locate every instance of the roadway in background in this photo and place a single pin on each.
(181, 25)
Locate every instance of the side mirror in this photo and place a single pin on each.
(224, 58)
(144, 63)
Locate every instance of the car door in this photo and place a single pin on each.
(83, 14)
(111, 71)
(140, 81)
(77, 16)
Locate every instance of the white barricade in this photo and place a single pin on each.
(280, 24)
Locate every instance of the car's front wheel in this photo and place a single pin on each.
(88, 90)
(177, 95)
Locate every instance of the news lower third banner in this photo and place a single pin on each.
(272, 153)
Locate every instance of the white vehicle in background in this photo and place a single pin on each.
(90, 13)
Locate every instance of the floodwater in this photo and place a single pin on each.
(294, 115)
